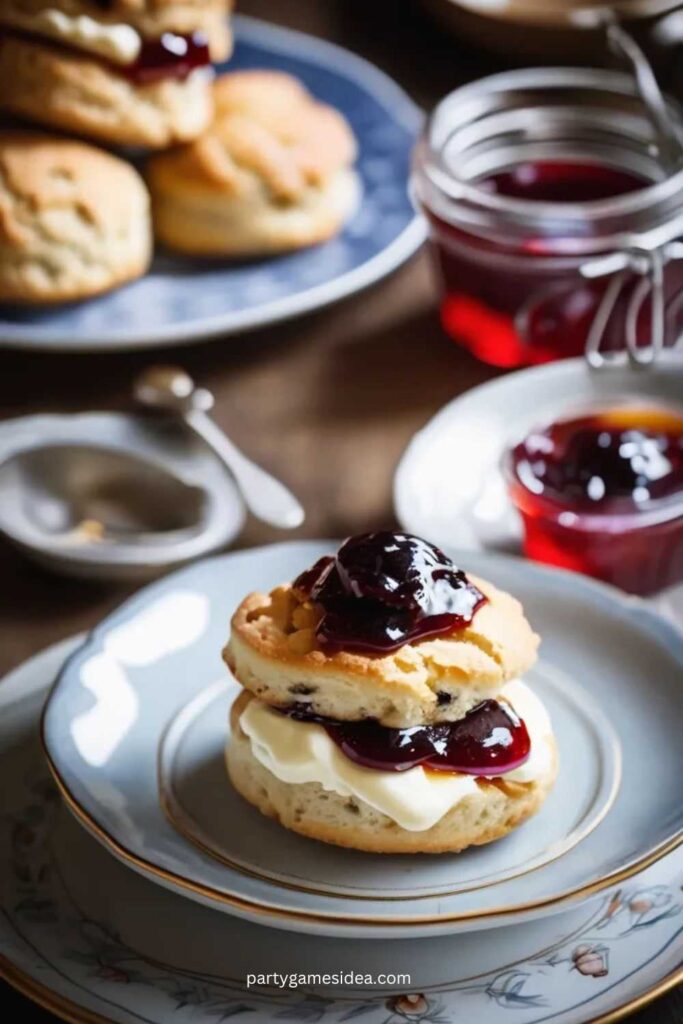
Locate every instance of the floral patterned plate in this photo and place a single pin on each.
(95, 942)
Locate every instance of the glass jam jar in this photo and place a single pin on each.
(601, 492)
(553, 211)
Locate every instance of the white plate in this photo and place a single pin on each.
(182, 299)
(448, 485)
(91, 940)
(610, 668)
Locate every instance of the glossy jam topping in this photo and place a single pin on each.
(383, 590)
(621, 459)
(490, 740)
(562, 181)
(170, 56)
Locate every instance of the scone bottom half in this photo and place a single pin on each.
(383, 706)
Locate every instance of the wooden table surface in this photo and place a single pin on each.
(327, 402)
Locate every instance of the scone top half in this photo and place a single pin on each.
(283, 647)
(117, 30)
(126, 72)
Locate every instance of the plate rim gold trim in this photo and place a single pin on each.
(173, 810)
(215, 896)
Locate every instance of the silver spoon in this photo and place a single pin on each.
(171, 389)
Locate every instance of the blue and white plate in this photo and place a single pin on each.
(93, 941)
(135, 731)
(183, 300)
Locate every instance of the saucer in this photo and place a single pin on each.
(184, 300)
(33, 509)
(448, 485)
(90, 940)
(135, 725)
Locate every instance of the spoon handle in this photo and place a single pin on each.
(267, 498)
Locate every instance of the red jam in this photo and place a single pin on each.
(512, 311)
(603, 494)
(561, 181)
(383, 590)
(490, 740)
(170, 56)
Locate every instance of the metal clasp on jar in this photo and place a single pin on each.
(649, 265)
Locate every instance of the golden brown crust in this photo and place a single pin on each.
(491, 813)
(74, 220)
(65, 90)
(273, 652)
(266, 122)
(272, 173)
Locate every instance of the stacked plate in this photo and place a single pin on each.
(181, 905)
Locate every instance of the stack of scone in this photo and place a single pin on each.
(383, 707)
(257, 167)
(126, 72)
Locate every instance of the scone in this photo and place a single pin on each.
(273, 172)
(384, 708)
(128, 72)
(74, 221)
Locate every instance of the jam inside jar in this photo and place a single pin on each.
(526, 179)
(562, 181)
(602, 493)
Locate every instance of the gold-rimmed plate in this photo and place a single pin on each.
(95, 942)
(610, 672)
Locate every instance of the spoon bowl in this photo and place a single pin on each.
(113, 496)
(81, 493)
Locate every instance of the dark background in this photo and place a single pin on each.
(327, 402)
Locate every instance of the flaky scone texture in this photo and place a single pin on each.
(151, 18)
(273, 652)
(491, 813)
(272, 173)
(65, 90)
(74, 221)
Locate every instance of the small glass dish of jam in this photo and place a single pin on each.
(600, 492)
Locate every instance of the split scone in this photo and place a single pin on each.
(272, 173)
(74, 220)
(126, 72)
(383, 707)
